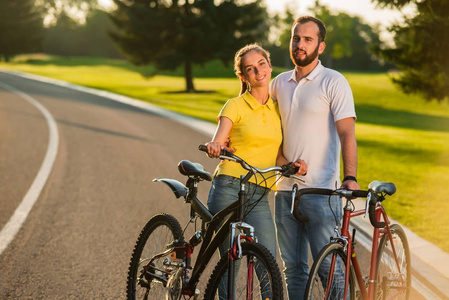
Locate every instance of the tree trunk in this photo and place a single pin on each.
(189, 76)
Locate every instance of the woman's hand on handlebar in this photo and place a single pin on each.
(214, 148)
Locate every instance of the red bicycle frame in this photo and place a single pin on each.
(351, 255)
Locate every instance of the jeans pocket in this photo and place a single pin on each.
(224, 181)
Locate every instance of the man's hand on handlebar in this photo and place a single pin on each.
(350, 185)
(301, 166)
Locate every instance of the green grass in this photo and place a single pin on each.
(401, 138)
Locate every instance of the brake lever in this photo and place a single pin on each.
(368, 198)
(228, 158)
(294, 190)
(297, 178)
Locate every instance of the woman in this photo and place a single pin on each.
(252, 124)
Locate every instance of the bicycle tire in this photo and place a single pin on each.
(266, 268)
(389, 281)
(317, 281)
(160, 231)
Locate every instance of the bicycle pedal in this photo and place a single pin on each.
(197, 293)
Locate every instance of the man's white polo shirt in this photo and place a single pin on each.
(309, 109)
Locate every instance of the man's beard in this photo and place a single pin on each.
(307, 60)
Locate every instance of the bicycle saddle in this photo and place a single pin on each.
(382, 187)
(188, 168)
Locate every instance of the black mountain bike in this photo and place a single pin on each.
(161, 265)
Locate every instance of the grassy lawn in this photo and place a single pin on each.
(401, 138)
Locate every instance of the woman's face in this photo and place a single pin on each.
(256, 69)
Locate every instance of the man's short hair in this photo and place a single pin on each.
(321, 27)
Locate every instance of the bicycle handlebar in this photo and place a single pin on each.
(286, 170)
(370, 195)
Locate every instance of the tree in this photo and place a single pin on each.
(68, 37)
(169, 34)
(73, 9)
(20, 28)
(420, 48)
(281, 31)
(350, 43)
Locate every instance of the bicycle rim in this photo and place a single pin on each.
(327, 275)
(393, 272)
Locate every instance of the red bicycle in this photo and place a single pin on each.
(336, 270)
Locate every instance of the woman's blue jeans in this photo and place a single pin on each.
(224, 191)
(294, 237)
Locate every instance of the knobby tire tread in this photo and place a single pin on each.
(156, 221)
(248, 248)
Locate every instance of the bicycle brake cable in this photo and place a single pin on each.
(337, 223)
(250, 207)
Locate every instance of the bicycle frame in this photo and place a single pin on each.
(231, 218)
(214, 228)
(367, 291)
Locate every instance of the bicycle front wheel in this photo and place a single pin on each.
(327, 276)
(393, 269)
(257, 276)
(161, 231)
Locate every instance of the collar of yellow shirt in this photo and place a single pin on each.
(254, 104)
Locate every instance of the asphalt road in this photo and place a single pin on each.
(77, 240)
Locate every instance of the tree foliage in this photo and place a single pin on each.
(350, 42)
(73, 9)
(421, 49)
(69, 37)
(280, 29)
(20, 28)
(169, 34)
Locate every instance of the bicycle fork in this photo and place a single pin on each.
(235, 254)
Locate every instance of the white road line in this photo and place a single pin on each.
(14, 224)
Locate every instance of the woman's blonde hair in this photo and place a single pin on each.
(238, 62)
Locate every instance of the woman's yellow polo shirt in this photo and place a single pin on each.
(255, 135)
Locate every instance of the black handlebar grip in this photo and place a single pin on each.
(360, 193)
(372, 216)
(299, 217)
(316, 191)
(296, 213)
(223, 152)
(288, 170)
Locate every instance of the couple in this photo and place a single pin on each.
(305, 116)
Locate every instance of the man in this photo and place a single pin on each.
(318, 116)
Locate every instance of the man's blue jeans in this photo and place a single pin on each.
(294, 237)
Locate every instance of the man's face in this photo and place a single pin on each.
(304, 44)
